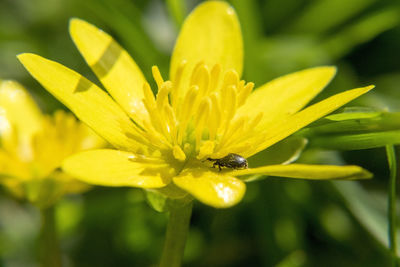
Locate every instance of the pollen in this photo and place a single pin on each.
(200, 114)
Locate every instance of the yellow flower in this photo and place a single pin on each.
(203, 111)
(33, 147)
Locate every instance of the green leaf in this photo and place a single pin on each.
(391, 215)
(354, 113)
(369, 209)
(361, 32)
(357, 141)
(318, 17)
(354, 130)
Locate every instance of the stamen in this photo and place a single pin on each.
(236, 130)
(149, 99)
(201, 119)
(204, 106)
(188, 103)
(231, 98)
(241, 85)
(202, 79)
(214, 76)
(215, 118)
(231, 78)
(162, 95)
(194, 72)
(246, 135)
(177, 85)
(171, 121)
(206, 149)
(244, 93)
(154, 136)
(186, 111)
(145, 159)
(187, 148)
(157, 122)
(178, 153)
(228, 102)
(157, 76)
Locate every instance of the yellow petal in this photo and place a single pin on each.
(90, 139)
(13, 167)
(301, 119)
(286, 95)
(113, 66)
(109, 167)
(211, 34)
(89, 103)
(312, 172)
(20, 109)
(215, 189)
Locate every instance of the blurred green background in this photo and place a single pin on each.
(280, 222)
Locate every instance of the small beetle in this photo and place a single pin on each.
(233, 161)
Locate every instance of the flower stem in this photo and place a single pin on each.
(391, 155)
(177, 230)
(50, 254)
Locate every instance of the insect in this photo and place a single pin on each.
(233, 161)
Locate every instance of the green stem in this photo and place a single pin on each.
(391, 155)
(50, 253)
(177, 230)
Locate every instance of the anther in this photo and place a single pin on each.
(157, 76)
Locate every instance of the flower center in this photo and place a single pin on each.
(200, 115)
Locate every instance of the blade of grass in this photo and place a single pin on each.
(361, 31)
(356, 141)
(391, 156)
(319, 18)
(368, 209)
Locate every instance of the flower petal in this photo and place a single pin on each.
(89, 103)
(113, 66)
(210, 34)
(13, 168)
(312, 172)
(20, 109)
(286, 95)
(215, 189)
(116, 168)
(301, 119)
